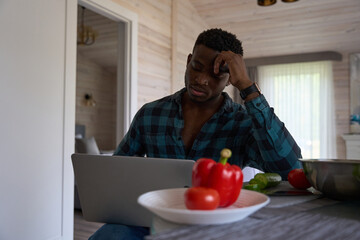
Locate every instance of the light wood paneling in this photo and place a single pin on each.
(189, 25)
(154, 47)
(342, 102)
(100, 120)
(286, 28)
(104, 50)
(96, 75)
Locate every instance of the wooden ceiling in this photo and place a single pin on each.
(104, 50)
(286, 28)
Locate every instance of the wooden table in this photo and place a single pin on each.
(289, 217)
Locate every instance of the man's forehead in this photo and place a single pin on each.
(203, 53)
(203, 48)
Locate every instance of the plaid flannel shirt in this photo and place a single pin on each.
(255, 135)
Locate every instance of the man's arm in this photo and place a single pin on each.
(273, 148)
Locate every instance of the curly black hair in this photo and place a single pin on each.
(219, 40)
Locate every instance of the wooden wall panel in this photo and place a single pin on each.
(286, 28)
(156, 44)
(189, 26)
(104, 50)
(154, 47)
(100, 120)
(342, 102)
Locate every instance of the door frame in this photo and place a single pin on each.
(126, 103)
(127, 95)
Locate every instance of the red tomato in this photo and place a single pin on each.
(297, 179)
(201, 198)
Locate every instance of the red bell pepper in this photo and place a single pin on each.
(225, 178)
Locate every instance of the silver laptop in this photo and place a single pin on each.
(109, 186)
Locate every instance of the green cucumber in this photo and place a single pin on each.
(274, 179)
(261, 181)
(253, 187)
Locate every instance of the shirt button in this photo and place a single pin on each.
(258, 104)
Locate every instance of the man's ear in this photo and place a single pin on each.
(188, 58)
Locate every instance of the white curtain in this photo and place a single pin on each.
(302, 97)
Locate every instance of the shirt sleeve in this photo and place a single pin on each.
(131, 144)
(272, 148)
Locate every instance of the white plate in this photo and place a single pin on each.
(169, 205)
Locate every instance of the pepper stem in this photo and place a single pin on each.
(224, 155)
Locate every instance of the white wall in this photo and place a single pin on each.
(37, 102)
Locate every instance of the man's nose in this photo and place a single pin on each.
(202, 79)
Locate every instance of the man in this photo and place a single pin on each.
(200, 120)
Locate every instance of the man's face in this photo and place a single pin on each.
(201, 83)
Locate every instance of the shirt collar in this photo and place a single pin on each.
(227, 106)
(177, 96)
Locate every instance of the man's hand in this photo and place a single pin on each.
(236, 67)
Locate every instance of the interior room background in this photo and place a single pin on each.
(166, 35)
(38, 83)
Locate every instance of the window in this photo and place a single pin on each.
(302, 97)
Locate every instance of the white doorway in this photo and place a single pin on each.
(126, 102)
(125, 67)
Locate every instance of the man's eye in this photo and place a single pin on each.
(196, 69)
(220, 75)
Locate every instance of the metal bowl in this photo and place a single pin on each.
(335, 178)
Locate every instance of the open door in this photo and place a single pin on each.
(127, 59)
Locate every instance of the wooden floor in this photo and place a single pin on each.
(83, 229)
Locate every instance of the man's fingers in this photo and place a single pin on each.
(217, 63)
(224, 68)
(220, 63)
